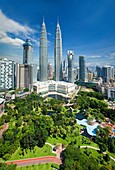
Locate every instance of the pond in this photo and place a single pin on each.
(91, 129)
(79, 116)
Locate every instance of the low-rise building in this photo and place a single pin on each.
(53, 86)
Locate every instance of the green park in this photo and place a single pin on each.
(36, 125)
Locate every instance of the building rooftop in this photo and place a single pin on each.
(53, 82)
(27, 43)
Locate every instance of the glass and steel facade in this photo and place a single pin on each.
(81, 68)
(43, 58)
(27, 52)
(71, 66)
(58, 54)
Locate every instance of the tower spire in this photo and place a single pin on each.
(58, 22)
(43, 21)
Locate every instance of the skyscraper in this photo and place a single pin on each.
(6, 74)
(71, 66)
(43, 60)
(107, 73)
(58, 54)
(50, 71)
(24, 75)
(99, 71)
(64, 65)
(81, 68)
(27, 52)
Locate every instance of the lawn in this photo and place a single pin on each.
(38, 167)
(87, 89)
(79, 141)
(111, 154)
(92, 151)
(46, 150)
(54, 141)
(96, 154)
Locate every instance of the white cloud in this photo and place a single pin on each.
(49, 34)
(112, 55)
(15, 41)
(8, 25)
(13, 57)
(94, 57)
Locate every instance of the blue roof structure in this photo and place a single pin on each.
(27, 43)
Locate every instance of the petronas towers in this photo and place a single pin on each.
(43, 54)
(58, 54)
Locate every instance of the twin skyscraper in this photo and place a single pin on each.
(43, 54)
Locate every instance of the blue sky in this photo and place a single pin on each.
(88, 28)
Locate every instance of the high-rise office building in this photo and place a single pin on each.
(27, 52)
(24, 75)
(28, 57)
(107, 73)
(71, 66)
(58, 54)
(99, 71)
(6, 74)
(81, 68)
(64, 65)
(50, 71)
(43, 59)
(77, 77)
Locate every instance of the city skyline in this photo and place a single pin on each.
(88, 29)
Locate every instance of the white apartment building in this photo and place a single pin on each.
(6, 74)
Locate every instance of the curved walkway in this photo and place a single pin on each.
(97, 150)
(90, 147)
(58, 150)
(32, 161)
(47, 143)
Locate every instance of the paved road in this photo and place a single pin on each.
(40, 160)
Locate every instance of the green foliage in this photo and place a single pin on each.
(4, 166)
(74, 159)
(103, 140)
(30, 125)
(6, 156)
(2, 120)
(96, 95)
(26, 90)
(111, 145)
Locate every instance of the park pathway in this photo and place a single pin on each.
(97, 150)
(58, 150)
(40, 160)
